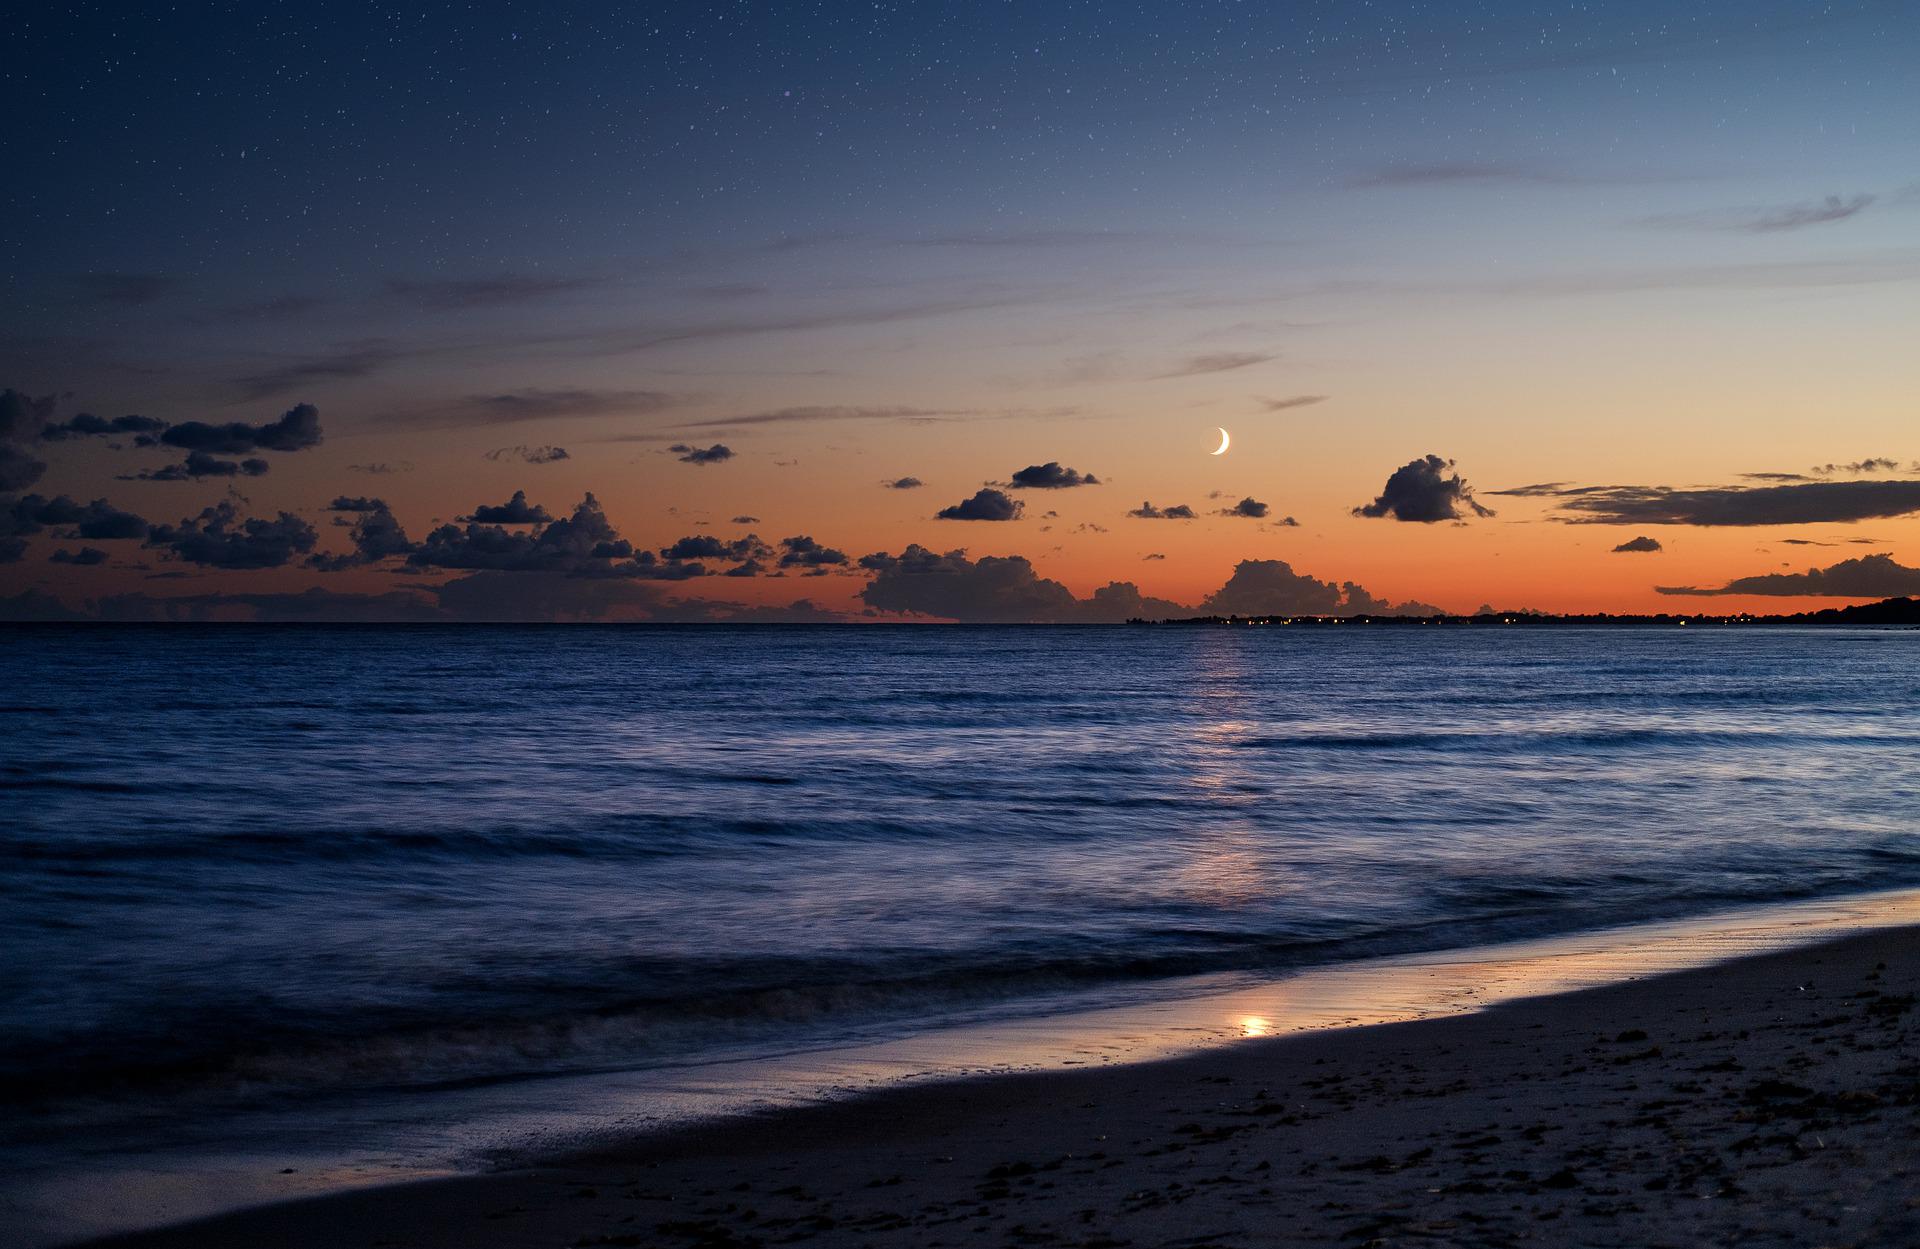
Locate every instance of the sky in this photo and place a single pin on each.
(938, 311)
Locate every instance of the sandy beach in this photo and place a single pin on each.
(1773, 1100)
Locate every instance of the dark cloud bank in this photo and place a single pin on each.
(1793, 503)
(1870, 576)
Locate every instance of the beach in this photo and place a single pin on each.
(1774, 1099)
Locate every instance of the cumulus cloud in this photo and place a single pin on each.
(1251, 508)
(1050, 476)
(715, 454)
(1217, 362)
(986, 504)
(1869, 576)
(86, 556)
(1797, 503)
(145, 429)
(375, 532)
(1270, 587)
(1147, 511)
(529, 455)
(706, 546)
(1422, 491)
(382, 468)
(993, 589)
(904, 483)
(803, 552)
(220, 538)
(18, 470)
(1641, 544)
(515, 511)
(584, 544)
(199, 464)
(297, 429)
(23, 415)
(744, 520)
(96, 521)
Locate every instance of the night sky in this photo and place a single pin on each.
(838, 311)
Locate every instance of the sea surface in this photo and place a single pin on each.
(249, 863)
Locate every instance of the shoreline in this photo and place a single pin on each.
(882, 1094)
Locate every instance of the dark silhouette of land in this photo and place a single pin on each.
(1887, 613)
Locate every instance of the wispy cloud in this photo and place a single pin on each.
(492, 291)
(536, 404)
(1217, 362)
(1772, 219)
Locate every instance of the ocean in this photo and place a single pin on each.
(245, 864)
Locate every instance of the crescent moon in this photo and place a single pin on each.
(1224, 440)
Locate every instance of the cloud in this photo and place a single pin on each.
(804, 552)
(997, 589)
(1808, 503)
(530, 455)
(1422, 492)
(11, 551)
(18, 470)
(22, 415)
(1869, 576)
(1218, 362)
(1292, 401)
(344, 363)
(516, 406)
(497, 290)
(1640, 545)
(1768, 220)
(744, 520)
(220, 538)
(1270, 587)
(1460, 173)
(97, 521)
(717, 453)
(376, 535)
(129, 289)
(904, 483)
(87, 425)
(86, 556)
(355, 503)
(297, 429)
(1539, 490)
(584, 544)
(1050, 476)
(1251, 508)
(706, 546)
(986, 504)
(1147, 511)
(993, 589)
(818, 414)
(382, 468)
(1872, 464)
(199, 464)
(515, 511)
(1286, 522)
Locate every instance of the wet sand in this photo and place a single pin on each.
(1773, 1100)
